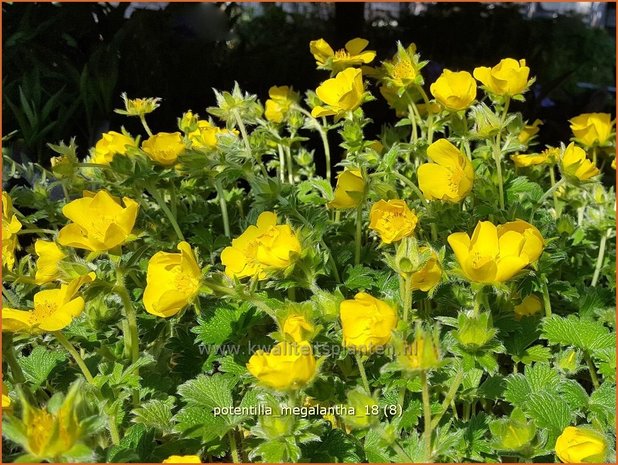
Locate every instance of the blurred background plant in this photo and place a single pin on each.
(65, 65)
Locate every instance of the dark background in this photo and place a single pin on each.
(65, 65)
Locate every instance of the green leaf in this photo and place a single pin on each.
(336, 446)
(571, 331)
(602, 406)
(539, 377)
(208, 391)
(40, 363)
(549, 411)
(156, 414)
(199, 422)
(358, 277)
(574, 394)
(135, 446)
(221, 326)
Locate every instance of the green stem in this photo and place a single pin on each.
(414, 133)
(324, 137)
(142, 118)
(70, 348)
(233, 447)
(361, 369)
(131, 339)
(410, 184)
(552, 178)
(288, 154)
(592, 369)
(359, 231)
(170, 216)
(546, 301)
(243, 130)
(64, 342)
(407, 297)
(223, 206)
(426, 415)
(331, 259)
(551, 190)
(281, 163)
(450, 396)
(600, 257)
(498, 153)
(11, 359)
(594, 155)
(36, 231)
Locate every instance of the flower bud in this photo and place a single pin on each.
(514, 433)
(474, 330)
(363, 406)
(188, 122)
(423, 353)
(568, 361)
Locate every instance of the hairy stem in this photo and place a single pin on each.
(223, 206)
(600, 257)
(426, 415)
(170, 216)
(358, 236)
(361, 369)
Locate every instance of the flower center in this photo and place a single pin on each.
(186, 284)
(404, 69)
(341, 54)
(42, 311)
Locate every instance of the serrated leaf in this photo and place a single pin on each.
(156, 414)
(220, 326)
(583, 334)
(358, 277)
(208, 391)
(199, 422)
(537, 378)
(574, 394)
(549, 411)
(40, 363)
(602, 405)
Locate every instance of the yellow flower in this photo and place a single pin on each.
(50, 433)
(507, 78)
(54, 309)
(100, 223)
(581, 445)
(349, 191)
(354, 54)
(138, 106)
(110, 144)
(281, 100)
(206, 135)
(529, 131)
(341, 94)
(392, 220)
(525, 160)
(47, 264)
(592, 128)
(404, 69)
(288, 366)
(496, 254)
(10, 227)
(367, 322)
(424, 352)
(261, 248)
(183, 459)
(454, 90)
(575, 166)
(6, 400)
(164, 147)
(450, 178)
(298, 328)
(172, 281)
(530, 305)
(429, 276)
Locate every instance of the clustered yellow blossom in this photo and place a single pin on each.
(10, 227)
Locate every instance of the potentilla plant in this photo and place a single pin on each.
(208, 294)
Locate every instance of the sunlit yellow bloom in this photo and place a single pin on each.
(575, 166)
(341, 94)
(392, 220)
(10, 227)
(450, 177)
(172, 281)
(6, 400)
(349, 191)
(288, 366)
(164, 148)
(367, 322)
(496, 254)
(206, 135)
(100, 223)
(138, 106)
(50, 256)
(581, 445)
(454, 90)
(592, 128)
(111, 143)
(261, 248)
(507, 78)
(529, 131)
(429, 276)
(281, 100)
(298, 328)
(530, 305)
(423, 353)
(183, 459)
(524, 160)
(614, 163)
(54, 309)
(354, 54)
